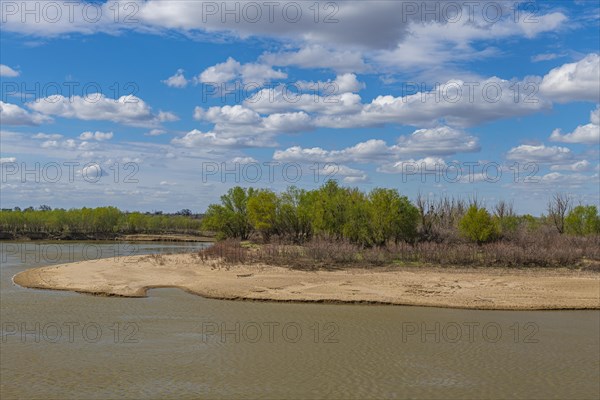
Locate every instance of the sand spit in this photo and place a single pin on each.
(493, 289)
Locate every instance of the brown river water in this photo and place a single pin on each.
(63, 345)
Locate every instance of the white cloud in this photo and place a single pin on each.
(436, 44)
(438, 141)
(282, 99)
(232, 70)
(317, 56)
(167, 116)
(345, 83)
(7, 160)
(50, 143)
(412, 166)
(198, 139)
(560, 180)
(8, 72)
(12, 114)
(92, 172)
(586, 134)
(349, 175)
(128, 110)
(540, 154)
(421, 36)
(578, 81)
(456, 103)
(177, 81)
(155, 132)
(238, 125)
(578, 166)
(46, 136)
(244, 160)
(99, 136)
(430, 143)
(547, 57)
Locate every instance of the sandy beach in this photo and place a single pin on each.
(499, 289)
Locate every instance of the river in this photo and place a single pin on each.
(63, 345)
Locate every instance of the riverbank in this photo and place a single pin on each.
(493, 289)
(167, 237)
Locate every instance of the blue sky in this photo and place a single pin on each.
(497, 100)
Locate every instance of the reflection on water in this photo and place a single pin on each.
(176, 345)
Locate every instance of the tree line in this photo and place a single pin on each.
(331, 212)
(381, 216)
(94, 221)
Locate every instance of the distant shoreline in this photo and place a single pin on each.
(168, 237)
(483, 289)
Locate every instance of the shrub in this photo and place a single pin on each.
(478, 225)
(583, 220)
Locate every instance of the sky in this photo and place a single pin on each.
(164, 105)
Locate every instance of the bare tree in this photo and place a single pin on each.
(558, 207)
(504, 209)
(424, 206)
(474, 201)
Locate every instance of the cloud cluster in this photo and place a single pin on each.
(11, 114)
(584, 134)
(128, 110)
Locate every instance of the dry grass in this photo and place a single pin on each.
(547, 251)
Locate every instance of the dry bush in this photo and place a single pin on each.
(544, 248)
(158, 259)
(228, 251)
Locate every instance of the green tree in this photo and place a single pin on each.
(583, 220)
(478, 225)
(357, 218)
(295, 214)
(392, 216)
(262, 212)
(329, 209)
(230, 218)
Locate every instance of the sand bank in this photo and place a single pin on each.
(474, 289)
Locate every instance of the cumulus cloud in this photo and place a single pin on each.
(46, 136)
(128, 110)
(11, 114)
(438, 43)
(345, 83)
(232, 70)
(547, 57)
(196, 138)
(92, 172)
(8, 72)
(244, 160)
(571, 180)
(539, 154)
(412, 166)
(440, 141)
(349, 175)
(577, 166)
(586, 134)
(238, 125)
(396, 34)
(317, 56)
(456, 102)
(578, 81)
(155, 132)
(177, 81)
(99, 136)
(282, 99)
